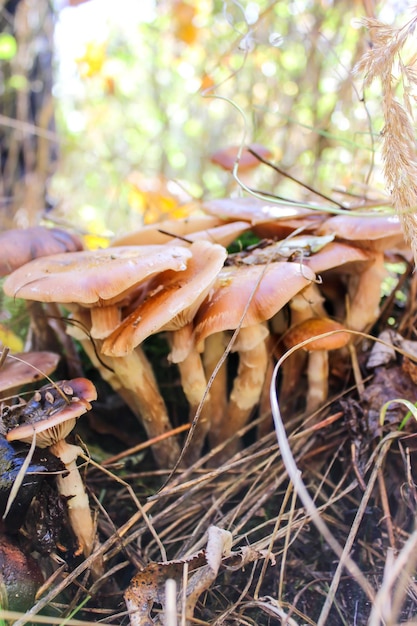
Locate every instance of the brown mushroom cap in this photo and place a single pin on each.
(226, 158)
(19, 246)
(378, 232)
(152, 234)
(93, 277)
(270, 287)
(338, 255)
(51, 417)
(313, 327)
(171, 299)
(25, 368)
(267, 219)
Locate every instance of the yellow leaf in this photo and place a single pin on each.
(92, 61)
(94, 242)
(10, 340)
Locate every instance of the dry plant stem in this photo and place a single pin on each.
(399, 569)
(385, 60)
(272, 541)
(295, 475)
(357, 374)
(385, 507)
(286, 546)
(353, 532)
(247, 386)
(46, 619)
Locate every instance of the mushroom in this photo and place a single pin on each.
(97, 279)
(245, 297)
(247, 162)
(103, 280)
(50, 416)
(227, 157)
(374, 234)
(267, 219)
(163, 232)
(24, 368)
(214, 230)
(317, 349)
(169, 303)
(19, 246)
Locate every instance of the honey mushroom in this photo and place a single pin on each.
(50, 416)
(374, 235)
(317, 349)
(101, 282)
(19, 246)
(23, 368)
(245, 297)
(169, 304)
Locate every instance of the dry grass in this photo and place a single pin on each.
(391, 59)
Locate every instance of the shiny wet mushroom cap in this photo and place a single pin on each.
(92, 277)
(97, 279)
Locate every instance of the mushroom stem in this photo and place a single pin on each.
(366, 288)
(131, 376)
(247, 386)
(306, 304)
(71, 487)
(318, 379)
(104, 320)
(136, 375)
(214, 347)
(194, 384)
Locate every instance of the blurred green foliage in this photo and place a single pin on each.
(142, 116)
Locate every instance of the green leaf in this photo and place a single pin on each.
(8, 46)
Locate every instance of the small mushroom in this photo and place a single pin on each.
(165, 231)
(24, 368)
(227, 157)
(267, 219)
(51, 415)
(318, 360)
(375, 235)
(19, 246)
(247, 163)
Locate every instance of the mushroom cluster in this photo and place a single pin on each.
(176, 278)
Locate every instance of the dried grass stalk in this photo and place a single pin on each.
(384, 60)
